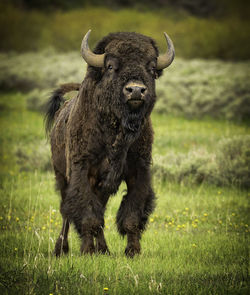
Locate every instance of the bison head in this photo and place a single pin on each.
(124, 67)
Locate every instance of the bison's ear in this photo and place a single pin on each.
(158, 73)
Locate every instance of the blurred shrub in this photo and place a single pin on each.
(195, 167)
(197, 7)
(229, 165)
(36, 100)
(233, 160)
(21, 30)
(194, 88)
(44, 70)
(225, 38)
(34, 156)
(199, 88)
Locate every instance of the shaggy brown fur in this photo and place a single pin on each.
(98, 140)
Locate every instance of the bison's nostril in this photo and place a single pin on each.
(134, 90)
(129, 89)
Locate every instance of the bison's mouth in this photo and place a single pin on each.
(135, 104)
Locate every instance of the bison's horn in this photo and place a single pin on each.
(165, 60)
(92, 59)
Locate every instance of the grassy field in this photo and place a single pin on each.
(197, 241)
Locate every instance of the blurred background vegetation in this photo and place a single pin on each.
(201, 151)
(203, 108)
(199, 28)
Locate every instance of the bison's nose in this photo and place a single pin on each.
(134, 93)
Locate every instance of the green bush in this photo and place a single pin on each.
(194, 37)
(199, 88)
(33, 156)
(36, 100)
(193, 88)
(233, 160)
(195, 167)
(44, 70)
(229, 165)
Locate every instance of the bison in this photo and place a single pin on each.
(104, 136)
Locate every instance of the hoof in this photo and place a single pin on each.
(104, 251)
(88, 250)
(132, 251)
(61, 248)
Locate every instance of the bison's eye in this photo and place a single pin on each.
(111, 64)
(153, 72)
(152, 69)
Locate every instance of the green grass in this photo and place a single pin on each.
(182, 135)
(197, 241)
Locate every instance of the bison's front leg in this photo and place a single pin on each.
(93, 228)
(137, 205)
(85, 207)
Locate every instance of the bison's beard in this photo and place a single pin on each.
(132, 121)
(131, 126)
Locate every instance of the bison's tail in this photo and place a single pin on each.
(55, 102)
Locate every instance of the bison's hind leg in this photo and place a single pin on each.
(101, 245)
(62, 246)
